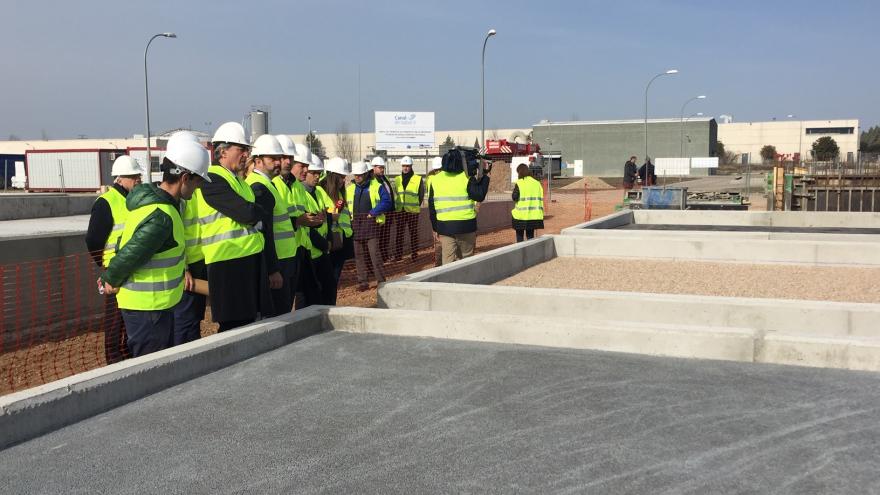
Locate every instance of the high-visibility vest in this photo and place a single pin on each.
(451, 201)
(315, 204)
(190, 217)
(158, 283)
(119, 212)
(374, 197)
(407, 198)
(294, 206)
(223, 238)
(530, 205)
(343, 222)
(282, 228)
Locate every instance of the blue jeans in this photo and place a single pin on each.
(148, 331)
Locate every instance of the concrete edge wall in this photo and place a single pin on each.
(41, 247)
(21, 206)
(491, 266)
(770, 236)
(794, 219)
(612, 221)
(35, 411)
(815, 318)
(703, 248)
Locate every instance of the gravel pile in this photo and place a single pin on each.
(826, 283)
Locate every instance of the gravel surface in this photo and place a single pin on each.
(845, 284)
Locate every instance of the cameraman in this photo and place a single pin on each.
(452, 197)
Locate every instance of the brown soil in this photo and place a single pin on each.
(823, 283)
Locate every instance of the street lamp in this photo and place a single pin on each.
(483, 89)
(667, 73)
(147, 94)
(681, 132)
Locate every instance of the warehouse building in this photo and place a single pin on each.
(791, 138)
(604, 146)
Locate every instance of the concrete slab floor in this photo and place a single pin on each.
(342, 412)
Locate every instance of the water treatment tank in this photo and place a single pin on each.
(259, 123)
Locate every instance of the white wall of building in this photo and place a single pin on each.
(789, 137)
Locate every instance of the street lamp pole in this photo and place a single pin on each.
(483, 89)
(681, 131)
(147, 95)
(666, 73)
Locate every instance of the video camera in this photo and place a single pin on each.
(465, 159)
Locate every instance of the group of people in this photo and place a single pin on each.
(632, 174)
(263, 228)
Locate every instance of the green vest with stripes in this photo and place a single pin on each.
(223, 238)
(407, 198)
(119, 212)
(313, 205)
(190, 217)
(530, 205)
(451, 201)
(157, 284)
(282, 228)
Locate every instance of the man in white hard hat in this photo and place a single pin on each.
(190, 311)
(277, 228)
(378, 164)
(316, 280)
(368, 202)
(147, 273)
(410, 191)
(105, 226)
(228, 218)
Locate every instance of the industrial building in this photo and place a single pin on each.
(604, 146)
(792, 139)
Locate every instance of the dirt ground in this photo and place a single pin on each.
(844, 284)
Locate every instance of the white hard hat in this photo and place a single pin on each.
(189, 156)
(125, 165)
(286, 144)
(267, 145)
(406, 161)
(302, 154)
(181, 136)
(230, 132)
(337, 165)
(358, 168)
(377, 161)
(437, 163)
(316, 165)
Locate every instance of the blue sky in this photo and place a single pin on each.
(75, 68)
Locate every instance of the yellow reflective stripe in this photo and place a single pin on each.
(210, 218)
(192, 242)
(451, 198)
(532, 198)
(189, 222)
(280, 218)
(454, 208)
(530, 208)
(118, 226)
(284, 235)
(233, 234)
(163, 262)
(153, 286)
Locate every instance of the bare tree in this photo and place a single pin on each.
(345, 143)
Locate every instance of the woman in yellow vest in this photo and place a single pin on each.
(105, 228)
(368, 202)
(227, 228)
(336, 169)
(528, 204)
(277, 229)
(410, 191)
(147, 273)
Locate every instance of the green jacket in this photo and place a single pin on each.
(153, 235)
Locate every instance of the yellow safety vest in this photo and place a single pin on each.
(451, 201)
(408, 198)
(530, 205)
(119, 212)
(157, 284)
(282, 228)
(314, 206)
(190, 217)
(374, 197)
(223, 238)
(343, 222)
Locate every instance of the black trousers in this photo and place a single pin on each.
(148, 331)
(317, 285)
(115, 339)
(282, 299)
(529, 234)
(190, 311)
